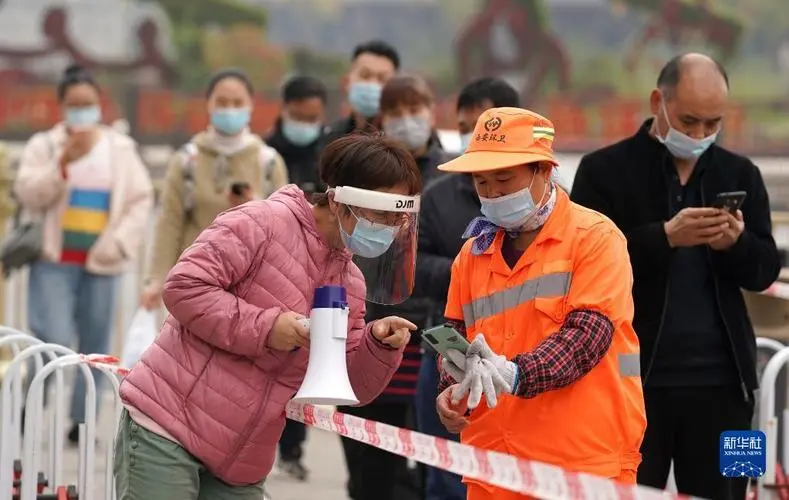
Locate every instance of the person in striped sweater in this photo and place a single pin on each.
(86, 183)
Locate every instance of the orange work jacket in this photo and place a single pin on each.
(579, 260)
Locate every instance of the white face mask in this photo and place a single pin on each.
(683, 146)
(465, 140)
(413, 131)
(516, 211)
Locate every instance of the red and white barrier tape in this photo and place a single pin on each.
(498, 469)
(104, 361)
(778, 290)
(505, 471)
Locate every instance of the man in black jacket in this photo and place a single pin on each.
(448, 205)
(298, 130)
(373, 63)
(690, 262)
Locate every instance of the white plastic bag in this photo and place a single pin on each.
(140, 336)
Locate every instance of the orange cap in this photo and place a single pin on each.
(504, 138)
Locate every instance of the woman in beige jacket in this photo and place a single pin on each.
(220, 168)
(91, 191)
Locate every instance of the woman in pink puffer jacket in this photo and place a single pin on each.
(205, 406)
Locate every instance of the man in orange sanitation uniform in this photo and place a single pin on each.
(548, 282)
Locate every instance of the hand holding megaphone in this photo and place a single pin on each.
(393, 331)
(289, 332)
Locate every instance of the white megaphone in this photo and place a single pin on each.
(326, 381)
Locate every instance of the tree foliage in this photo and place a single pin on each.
(244, 46)
(199, 13)
(190, 20)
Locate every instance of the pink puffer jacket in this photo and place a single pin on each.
(209, 380)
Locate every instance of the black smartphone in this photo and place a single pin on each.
(238, 188)
(731, 202)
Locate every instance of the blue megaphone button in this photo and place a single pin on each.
(330, 297)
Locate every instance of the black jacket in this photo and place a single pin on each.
(301, 161)
(448, 206)
(418, 310)
(341, 128)
(626, 182)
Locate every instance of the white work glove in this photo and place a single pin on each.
(454, 363)
(486, 373)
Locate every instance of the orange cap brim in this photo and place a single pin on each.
(486, 161)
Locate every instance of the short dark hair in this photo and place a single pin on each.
(405, 89)
(74, 75)
(500, 94)
(299, 88)
(377, 48)
(671, 74)
(224, 74)
(367, 161)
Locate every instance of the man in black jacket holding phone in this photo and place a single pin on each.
(690, 262)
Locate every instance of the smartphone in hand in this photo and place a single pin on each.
(444, 337)
(238, 188)
(731, 202)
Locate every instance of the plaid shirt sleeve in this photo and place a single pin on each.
(560, 359)
(565, 356)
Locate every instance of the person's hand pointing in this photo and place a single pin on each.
(393, 331)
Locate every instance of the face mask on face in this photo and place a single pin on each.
(514, 211)
(83, 116)
(413, 131)
(300, 133)
(682, 146)
(230, 121)
(368, 240)
(365, 98)
(465, 140)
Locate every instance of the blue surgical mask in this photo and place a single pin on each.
(368, 240)
(365, 98)
(465, 140)
(230, 121)
(682, 146)
(300, 133)
(413, 131)
(513, 211)
(83, 116)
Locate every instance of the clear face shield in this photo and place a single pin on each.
(383, 241)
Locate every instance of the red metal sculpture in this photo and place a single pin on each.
(58, 41)
(511, 38)
(679, 21)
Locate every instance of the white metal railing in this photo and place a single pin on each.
(768, 421)
(13, 447)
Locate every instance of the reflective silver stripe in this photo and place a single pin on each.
(630, 365)
(549, 285)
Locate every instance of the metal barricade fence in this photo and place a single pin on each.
(25, 450)
(769, 424)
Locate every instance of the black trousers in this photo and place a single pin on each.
(292, 439)
(375, 474)
(684, 425)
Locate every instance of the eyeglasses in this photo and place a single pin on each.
(383, 217)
